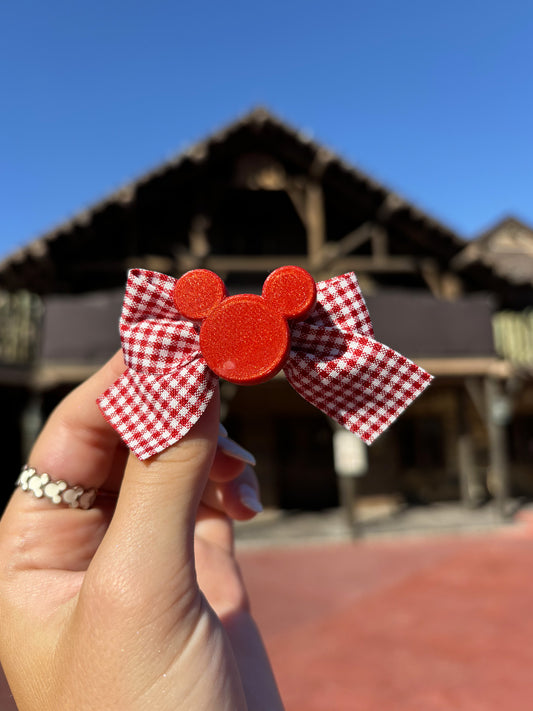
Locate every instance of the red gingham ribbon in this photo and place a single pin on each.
(334, 363)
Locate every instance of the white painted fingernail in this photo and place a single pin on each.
(232, 449)
(222, 431)
(249, 498)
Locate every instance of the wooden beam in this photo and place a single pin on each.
(53, 373)
(461, 367)
(350, 242)
(154, 262)
(442, 284)
(296, 191)
(266, 262)
(380, 242)
(451, 286)
(243, 263)
(50, 373)
(315, 223)
(391, 264)
(429, 271)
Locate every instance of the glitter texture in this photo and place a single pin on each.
(245, 340)
(292, 291)
(197, 292)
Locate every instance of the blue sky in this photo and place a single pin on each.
(435, 100)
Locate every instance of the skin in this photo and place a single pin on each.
(137, 603)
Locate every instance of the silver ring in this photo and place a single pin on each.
(58, 492)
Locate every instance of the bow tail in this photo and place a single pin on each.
(364, 389)
(152, 411)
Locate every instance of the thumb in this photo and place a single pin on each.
(151, 535)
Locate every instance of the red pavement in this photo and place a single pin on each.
(436, 624)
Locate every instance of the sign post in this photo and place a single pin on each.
(351, 462)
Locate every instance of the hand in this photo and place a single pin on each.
(138, 602)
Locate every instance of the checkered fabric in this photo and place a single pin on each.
(334, 363)
(167, 384)
(337, 366)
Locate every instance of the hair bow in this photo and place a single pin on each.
(333, 361)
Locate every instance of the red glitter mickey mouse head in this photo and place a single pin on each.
(245, 339)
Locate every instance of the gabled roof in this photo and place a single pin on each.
(506, 248)
(39, 264)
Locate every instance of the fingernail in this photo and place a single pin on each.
(249, 498)
(222, 431)
(232, 449)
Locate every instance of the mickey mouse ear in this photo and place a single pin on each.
(291, 290)
(197, 292)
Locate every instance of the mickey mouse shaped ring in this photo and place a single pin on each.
(245, 339)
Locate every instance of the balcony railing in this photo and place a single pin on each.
(20, 326)
(21, 315)
(513, 336)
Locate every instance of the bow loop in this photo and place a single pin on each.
(340, 303)
(338, 366)
(364, 389)
(148, 296)
(167, 384)
(153, 346)
(154, 337)
(323, 342)
(151, 412)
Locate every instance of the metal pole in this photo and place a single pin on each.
(348, 497)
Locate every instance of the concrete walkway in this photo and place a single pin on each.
(405, 623)
(377, 519)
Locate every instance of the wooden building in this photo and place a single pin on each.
(507, 249)
(252, 197)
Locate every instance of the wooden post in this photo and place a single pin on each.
(497, 419)
(198, 242)
(315, 223)
(469, 486)
(380, 243)
(32, 421)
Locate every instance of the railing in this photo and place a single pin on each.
(21, 318)
(513, 336)
(20, 326)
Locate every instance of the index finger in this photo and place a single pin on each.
(76, 444)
